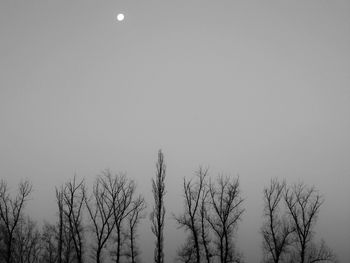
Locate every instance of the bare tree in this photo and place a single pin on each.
(120, 193)
(191, 218)
(64, 235)
(100, 210)
(73, 201)
(276, 231)
(226, 211)
(59, 199)
(11, 212)
(203, 214)
(27, 242)
(135, 215)
(158, 213)
(303, 204)
(49, 243)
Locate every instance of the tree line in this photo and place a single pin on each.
(101, 224)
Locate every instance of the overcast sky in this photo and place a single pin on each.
(255, 88)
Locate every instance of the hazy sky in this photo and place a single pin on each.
(255, 88)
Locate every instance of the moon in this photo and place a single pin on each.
(120, 17)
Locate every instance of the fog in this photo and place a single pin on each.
(258, 89)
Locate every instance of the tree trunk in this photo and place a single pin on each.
(98, 255)
(159, 247)
(132, 245)
(9, 248)
(196, 244)
(205, 242)
(302, 254)
(226, 248)
(221, 250)
(118, 245)
(60, 236)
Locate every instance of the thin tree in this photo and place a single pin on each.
(59, 200)
(133, 220)
(303, 205)
(158, 213)
(100, 210)
(191, 218)
(11, 212)
(73, 202)
(205, 235)
(276, 230)
(226, 211)
(64, 235)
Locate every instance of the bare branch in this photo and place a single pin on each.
(11, 210)
(276, 230)
(73, 197)
(195, 194)
(303, 205)
(226, 206)
(100, 209)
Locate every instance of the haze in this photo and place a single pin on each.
(255, 88)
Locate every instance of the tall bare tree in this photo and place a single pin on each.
(303, 205)
(205, 233)
(120, 191)
(59, 200)
(226, 211)
(158, 213)
(64, 235)
(11, 209)
(100, 209)
(73, 202)
(133, 220)
(194, 192)
(276, 230)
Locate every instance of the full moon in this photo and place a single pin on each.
(120, 17)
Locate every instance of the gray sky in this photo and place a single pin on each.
(255, 88)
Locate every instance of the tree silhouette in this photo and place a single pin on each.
(226, 211)
(276, 230)
(192, 218)
(100, 210)
(64, 235)
(158, 213)
(303, 205)
(133, 220)
(120, 191)
(203, 214)
(73, 202)
(11, 212)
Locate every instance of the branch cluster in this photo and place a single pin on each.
(212, 210)
(290, 216)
